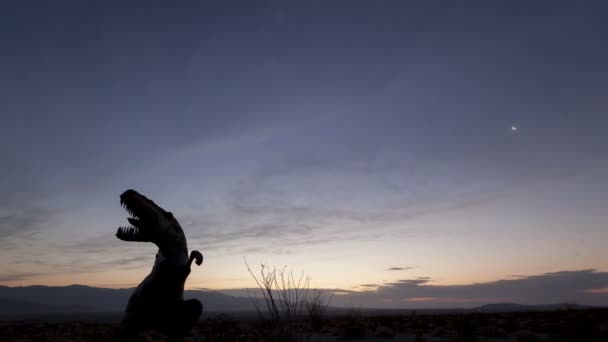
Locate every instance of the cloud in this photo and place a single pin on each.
(24, 222)
(276, 232)
(127, 263)
(86, 255)
(399, 268)
(16, 276)
(581, 287)
(26, 204)
(296, 224)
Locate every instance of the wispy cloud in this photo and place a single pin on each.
(80, 256)
(24, 208)
(23, 222)
(16, 276)
(399, 268)
(273, 232)
(126, 263)
(308, 224)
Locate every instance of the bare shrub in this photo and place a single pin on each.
(316, 306)
(282, 303)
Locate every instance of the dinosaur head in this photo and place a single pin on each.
(149, 222)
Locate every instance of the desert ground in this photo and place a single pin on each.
(561, 325)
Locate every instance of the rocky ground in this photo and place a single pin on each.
(565, 325)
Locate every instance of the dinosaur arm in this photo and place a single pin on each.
(196, 255)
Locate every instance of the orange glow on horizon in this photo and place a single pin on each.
(454, 300)
(597, 291)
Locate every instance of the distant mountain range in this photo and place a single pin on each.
(80, 299)
(86, 299)
(511, 307)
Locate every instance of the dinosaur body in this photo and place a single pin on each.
(158, 303)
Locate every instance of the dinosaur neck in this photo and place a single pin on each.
(175, 259)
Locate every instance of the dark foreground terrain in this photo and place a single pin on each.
(560, 325)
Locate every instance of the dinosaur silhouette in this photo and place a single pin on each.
(158, 303)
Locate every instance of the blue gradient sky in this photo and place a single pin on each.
(344, 138)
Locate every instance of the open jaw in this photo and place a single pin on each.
(135, 205)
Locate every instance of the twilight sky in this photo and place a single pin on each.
(368, 143)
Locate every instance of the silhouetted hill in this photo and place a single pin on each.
(79, 298)
(76, 299)
(512, 307)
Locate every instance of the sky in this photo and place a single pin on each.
(408, 154)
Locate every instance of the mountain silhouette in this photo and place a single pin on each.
(39, 299)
